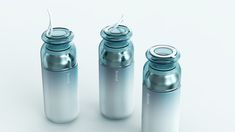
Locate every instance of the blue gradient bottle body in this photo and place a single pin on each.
(116, 65)
(161, 90)
(59, 76)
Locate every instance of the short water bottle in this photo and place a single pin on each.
(161, 90)
(116, 65)
(59, 75)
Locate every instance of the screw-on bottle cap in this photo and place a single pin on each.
(163, 56)
(115, 35)
(58, 39)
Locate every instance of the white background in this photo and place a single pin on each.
(203, 30)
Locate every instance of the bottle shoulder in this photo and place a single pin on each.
(161, 81)
(58, 60)
(116, 57)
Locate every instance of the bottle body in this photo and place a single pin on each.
(161, 97)
(60, 94)
(59, 76)
(160, 110)
(116, 91)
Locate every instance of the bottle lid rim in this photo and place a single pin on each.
(120, 33)
(162, 54)
(60, 35)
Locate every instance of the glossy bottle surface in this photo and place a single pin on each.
(161, 90)
(116, 57)
(59, 76)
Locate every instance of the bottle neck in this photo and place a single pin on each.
(163, 66)
(116, 44)
(60, 47)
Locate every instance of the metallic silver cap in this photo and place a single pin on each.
(162, 57)
(59, 39)
(114, 36)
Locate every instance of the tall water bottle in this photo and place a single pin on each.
(116, 64)
(161, 90)
(59, 75)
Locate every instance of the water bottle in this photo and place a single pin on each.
(59, 75)
(116, 65)
(161, 90)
